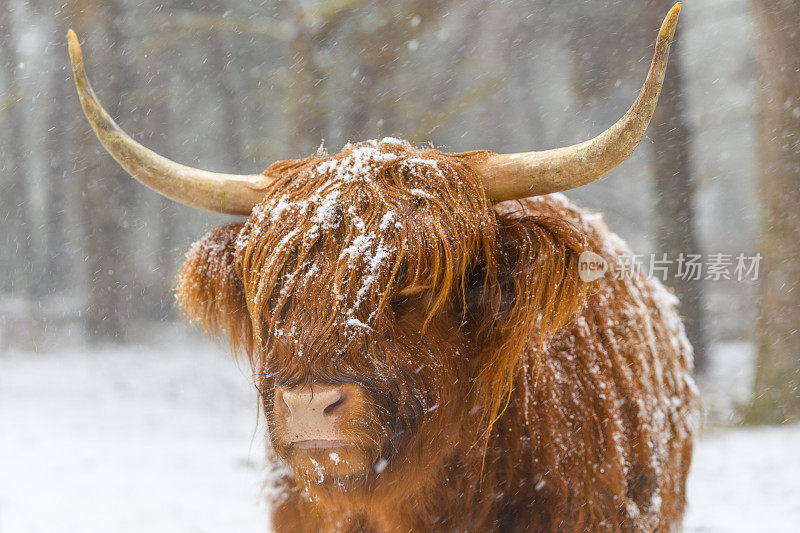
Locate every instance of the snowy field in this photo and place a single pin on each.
(166, 440)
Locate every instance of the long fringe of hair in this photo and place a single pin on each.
(346, 234)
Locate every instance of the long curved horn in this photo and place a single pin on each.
(222, 193)
(511, 176)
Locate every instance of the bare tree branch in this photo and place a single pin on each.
(328, 9)
(191, 20)
(433, 119)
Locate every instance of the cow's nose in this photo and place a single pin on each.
(313, 413)
(319, 400)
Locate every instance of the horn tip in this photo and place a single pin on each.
(672, 16)
(73, 47)
(670, 24)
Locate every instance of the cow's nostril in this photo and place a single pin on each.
(335, 407)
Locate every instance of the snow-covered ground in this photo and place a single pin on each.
(746, 480)
(129, 440)
(165, 439)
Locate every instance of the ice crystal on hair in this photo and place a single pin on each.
(354, 322)
(394, 140)
(360, 245)
(421, 193)
(387, 219)
(325, 214)
(359, 165)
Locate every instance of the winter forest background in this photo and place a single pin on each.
(88, 329)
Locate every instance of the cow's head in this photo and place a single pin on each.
(380, 298)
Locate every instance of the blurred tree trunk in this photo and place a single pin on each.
(55, 274)
(674, 188)
(164, 213)
(306, 107)
(776, 397)
(15, 244)
(231, 127)
(103, 185)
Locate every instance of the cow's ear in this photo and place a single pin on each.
(538, 276)
(210, 292)
(535, 292)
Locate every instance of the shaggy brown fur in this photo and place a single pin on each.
(502, 393)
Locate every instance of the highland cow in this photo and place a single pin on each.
(426, 353)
